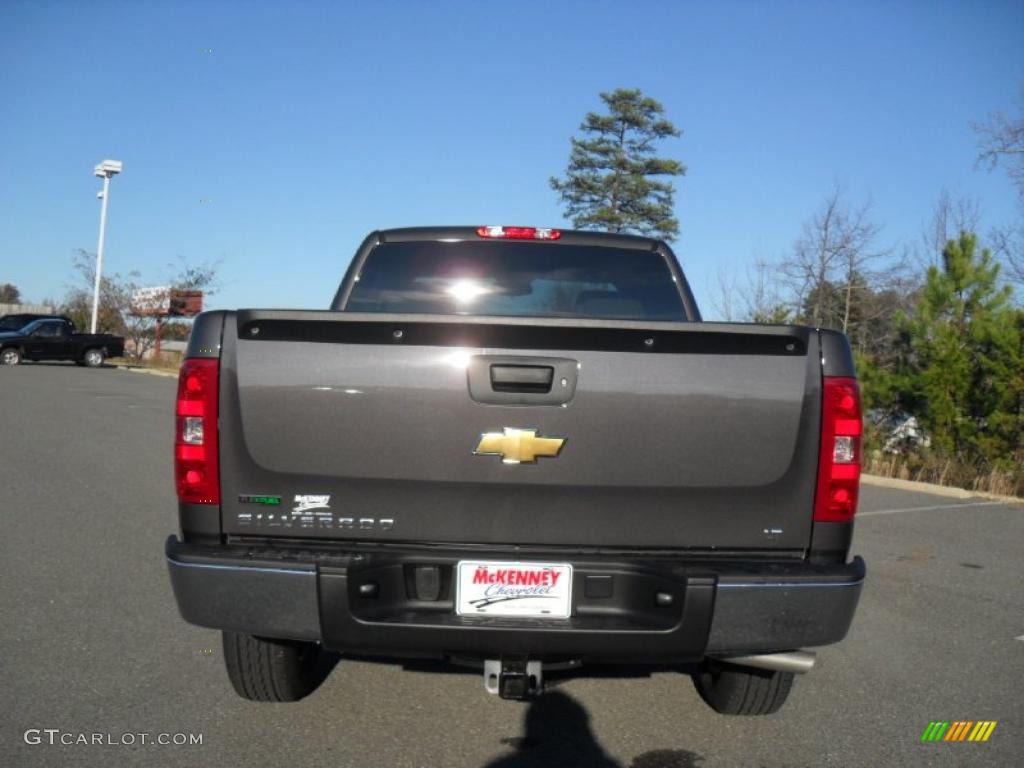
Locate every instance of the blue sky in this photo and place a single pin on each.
(310, 124)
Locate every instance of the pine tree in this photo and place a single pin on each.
(613, 181)
(965, 355)
(1001, 392)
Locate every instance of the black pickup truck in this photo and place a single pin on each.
(55, 338)
(517, 448)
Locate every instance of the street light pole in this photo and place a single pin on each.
(99, 253)
(106, 169)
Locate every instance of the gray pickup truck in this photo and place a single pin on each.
(520, 449)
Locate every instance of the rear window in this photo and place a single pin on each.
(524, 279)
(14, 322)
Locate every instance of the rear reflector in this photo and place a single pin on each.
(520, 233)
(840, 454)
(196, 462)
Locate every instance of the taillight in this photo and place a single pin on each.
(196, 464)
(839, 460)
(520, 233)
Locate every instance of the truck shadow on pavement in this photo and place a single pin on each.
(558, 733)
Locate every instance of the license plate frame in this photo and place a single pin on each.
(509, 589)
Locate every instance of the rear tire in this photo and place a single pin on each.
(733, 690)
(93, 358)
(10, 356)
(273, 670)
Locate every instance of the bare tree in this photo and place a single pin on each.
(723, 293)
(950, 216)
(139, 332)
(753, 297)
(893, 290)
(115, 314)
(1001, 143)
(759, 294)
(1008, 244)
(203, 277)
(836, 247)
(858, 253)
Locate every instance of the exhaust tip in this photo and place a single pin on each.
(797, 662)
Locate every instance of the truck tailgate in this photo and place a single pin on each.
(364, 427)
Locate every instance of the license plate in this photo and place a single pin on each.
(535, 590)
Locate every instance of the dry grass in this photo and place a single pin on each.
(947, 471)
(168, 361)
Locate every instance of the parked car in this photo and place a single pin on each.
(56, 339)
(517, 448)
(18, 321)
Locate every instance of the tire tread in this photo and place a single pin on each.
(734, 690)
(271, 670)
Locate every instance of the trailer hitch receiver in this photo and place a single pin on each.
(513, 678)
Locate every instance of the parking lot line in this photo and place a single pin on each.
(936, 507)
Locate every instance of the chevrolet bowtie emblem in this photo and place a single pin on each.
(518, 446)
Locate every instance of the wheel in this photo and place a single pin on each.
(273, 670)
(94, 358)
(733, 690)
(10, 356)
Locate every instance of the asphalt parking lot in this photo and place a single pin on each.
(92, 642)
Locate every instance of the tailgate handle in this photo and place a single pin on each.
(522, 378)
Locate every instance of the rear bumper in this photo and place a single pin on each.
(716, 609)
